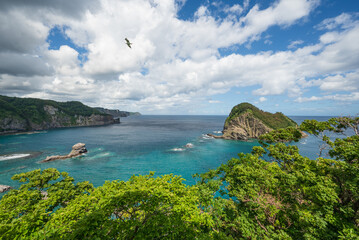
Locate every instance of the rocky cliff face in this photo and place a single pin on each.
(55, 118)
(13, 125)
(244, 127)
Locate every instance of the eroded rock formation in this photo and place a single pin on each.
(77, 150)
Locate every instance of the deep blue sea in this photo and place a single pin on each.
(137, 145)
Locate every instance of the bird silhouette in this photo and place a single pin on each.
(128, 43)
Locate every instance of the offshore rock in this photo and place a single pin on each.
(77, 150)
(4, 188)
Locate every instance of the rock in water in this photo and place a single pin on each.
(189, 145)
(247, 121)
(4, 188)
(77, 150)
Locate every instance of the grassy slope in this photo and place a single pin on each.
(274, 121)
(32, 109)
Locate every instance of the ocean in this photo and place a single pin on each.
(137, 145)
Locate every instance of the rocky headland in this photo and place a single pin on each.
(77, 150)
(247, 122)
(31, 114)
(117, 113)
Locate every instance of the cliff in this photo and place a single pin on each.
(247, 121)
(117, 113)
(29, 114)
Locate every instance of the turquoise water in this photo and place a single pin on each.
(136, 146)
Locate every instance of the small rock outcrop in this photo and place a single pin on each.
(77, 150)
(4, 188)
(247, 121)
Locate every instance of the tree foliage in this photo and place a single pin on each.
(271, 193)
(142, 208)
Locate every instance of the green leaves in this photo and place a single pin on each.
(24, 212)
(290, 196)
(142, 208)
(288, 134)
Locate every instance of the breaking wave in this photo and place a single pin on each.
(13, 156)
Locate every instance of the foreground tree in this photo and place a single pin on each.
(275, 193)
(142, 208)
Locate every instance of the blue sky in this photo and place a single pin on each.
(299, 57)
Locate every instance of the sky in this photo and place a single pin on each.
(196, 57)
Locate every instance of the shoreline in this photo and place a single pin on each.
(55, 128)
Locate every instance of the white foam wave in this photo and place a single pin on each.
(177, 149)
(205, 136)
(14, 156)
(101, 155)
(217, 131)
(189, 145)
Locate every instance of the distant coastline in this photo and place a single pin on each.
(29, 115)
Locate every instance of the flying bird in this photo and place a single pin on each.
(128, 43)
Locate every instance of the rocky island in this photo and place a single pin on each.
(31, 114)
(247, 121)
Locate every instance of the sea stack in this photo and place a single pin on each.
(77, 150)
(247, 121)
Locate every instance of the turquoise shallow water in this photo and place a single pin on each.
(136, 146)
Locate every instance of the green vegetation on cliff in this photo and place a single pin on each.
(33, 108)
(271, 193)
(274, 121)
(30, 111)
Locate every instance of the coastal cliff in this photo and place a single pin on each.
(30, 114)
(247, 121)
(117, 113)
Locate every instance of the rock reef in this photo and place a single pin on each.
(77, 150)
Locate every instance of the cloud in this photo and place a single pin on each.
(337, 97)
(19, 33)
(214, 101)
(262, 99)
(294, 44)
(180, 57)
(69, 8)
(344, 20)
(340, 82)
(23, 65)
